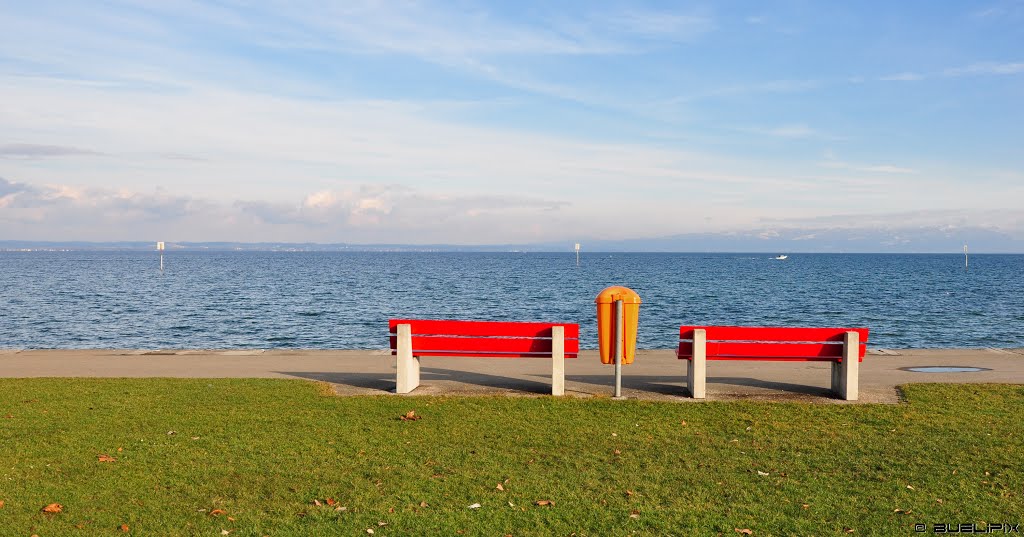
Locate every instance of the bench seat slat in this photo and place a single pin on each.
(772, 333)
(483, 328)
(777, 351)
(462, 354)
(483, 345)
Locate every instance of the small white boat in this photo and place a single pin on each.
(781, 257)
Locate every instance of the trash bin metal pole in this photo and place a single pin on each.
(619, 340)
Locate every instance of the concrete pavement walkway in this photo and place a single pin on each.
(655, 375)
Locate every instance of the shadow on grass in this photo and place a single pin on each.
(661, 385)
(667, 385)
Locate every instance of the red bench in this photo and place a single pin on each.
(843, 347)
(412, 339)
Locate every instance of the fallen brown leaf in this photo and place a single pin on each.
(499, 487)
(1, 504)
(331, 501)
(806, 506)
(903, 511)
(218, 512)
(410, 416)
(910, 487)
(634, 514)
(391, 509)
(744, 531)
(629, 493)
(231, 518)
(53, 508)
(9, 416)
(544, 502)
(120, 450)
(105, 458)
(124, 528)
(382, 523)
(848, 530)
(616, 452)
(683, 423)
(424, 504)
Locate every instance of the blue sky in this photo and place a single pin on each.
(477, 123)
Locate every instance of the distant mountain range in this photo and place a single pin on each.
(980, 240)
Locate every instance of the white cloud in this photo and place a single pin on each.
(38, 151)
(986, 68)
(871, 168)
(903, 77)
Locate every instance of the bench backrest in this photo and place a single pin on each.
(771, 343)
(487, 339)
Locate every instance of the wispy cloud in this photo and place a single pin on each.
(831, 162)
(40, 151)
(986, 68)
(905, 76)
(975, 69)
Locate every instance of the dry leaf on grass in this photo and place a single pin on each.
(2, 503)
(53, 508)
(410, 416)
(760, 473)
(744, 531)
(903, 511)
(848, 530)
(120, 450)
(382, 523)
(910, 487)
(543, 502)
(475, 506)
(806, 506)
(369, 530)
(124, 528)
(218, 512)
(499, 487)
(331, 501)
(424, 504)
(317, 503)
(634, 514)
(105, 458)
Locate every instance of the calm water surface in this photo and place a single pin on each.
(343, 300)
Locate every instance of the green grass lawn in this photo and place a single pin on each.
(265, 451)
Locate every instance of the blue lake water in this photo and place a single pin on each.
(343, 300)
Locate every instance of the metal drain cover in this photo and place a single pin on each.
(944, 369)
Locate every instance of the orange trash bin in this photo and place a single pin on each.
(606, 322)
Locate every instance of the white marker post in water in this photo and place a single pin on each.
(577, 254)
(160, 248)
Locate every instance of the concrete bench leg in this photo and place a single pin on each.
(408, 377)
(557, 360)
(849, 376)
(696, 374)
(836, 377)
